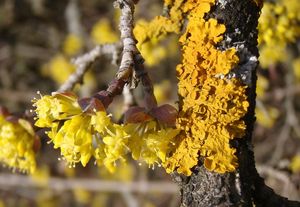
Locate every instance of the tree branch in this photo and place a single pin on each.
(128, 40)
(83, 63)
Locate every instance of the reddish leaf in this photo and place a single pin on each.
(4, 111)
(136, 115)
(90, 105)
(104, 97)
(166, 114)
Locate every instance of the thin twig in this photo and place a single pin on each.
(84, 62)
(130, 199)
(291, 122)
(128, 40)
(288, 187)
(131, 61)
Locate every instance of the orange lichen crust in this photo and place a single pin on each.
(212, 105)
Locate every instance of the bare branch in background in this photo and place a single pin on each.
(84, 62)
(288, 187)
(96, 185)
(72, 15)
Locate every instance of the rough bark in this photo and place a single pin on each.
(244, 187)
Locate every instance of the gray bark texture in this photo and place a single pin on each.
(244, 187)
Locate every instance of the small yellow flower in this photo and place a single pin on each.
(296, 67)
(115, 141)
(59, 106)
(295, 164)
(102, 32)
(162, 91)
(74, 139)
(59, 68)
(100, 121)
(150, 142)
(72, 44)
(266, 117)
(16, 145)
(71, 128)
(262, 86)
(159, 142)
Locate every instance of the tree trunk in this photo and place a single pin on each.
(244, 187)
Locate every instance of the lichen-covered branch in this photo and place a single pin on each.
(131, 67)
(126, 28)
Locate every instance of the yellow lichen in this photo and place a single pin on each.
(212, 106)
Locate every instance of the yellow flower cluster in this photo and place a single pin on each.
(212, 105)
(83, 133)
(17, 141)
(149, 141)
(74, 136)
(279, 25)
